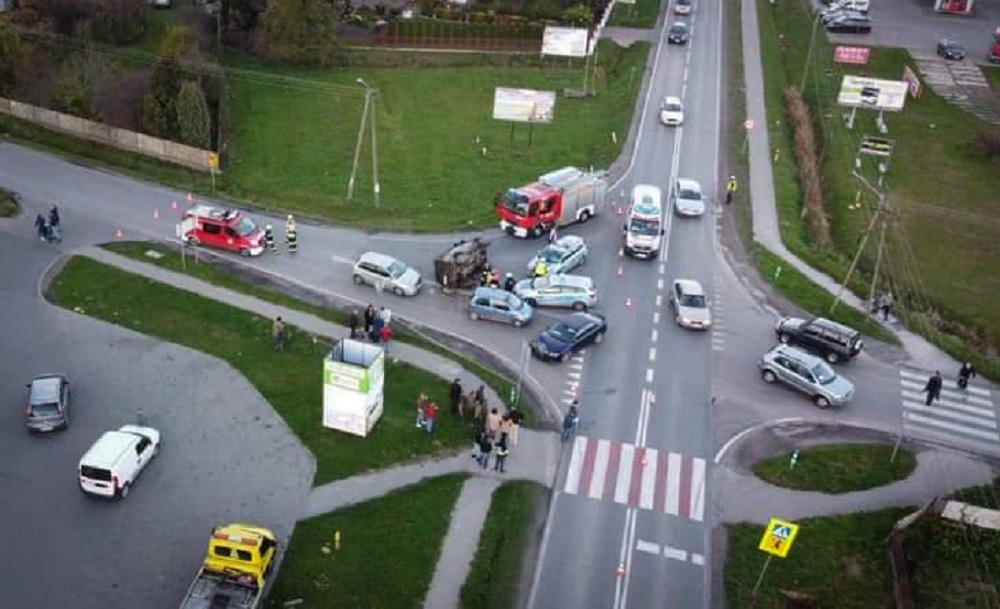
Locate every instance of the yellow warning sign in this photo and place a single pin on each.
(778, 537)
(213, 160)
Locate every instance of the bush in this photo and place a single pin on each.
(11, 52)
(79, 80)
(65, 15)
(299, 31)
(988, 144)
(809, 172)
(159, 112)
(194, 122)
(579, 15)
(118, 21)
(119, 104)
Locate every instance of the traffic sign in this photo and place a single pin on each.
(748, 124)
(213, 161)
(778, 537)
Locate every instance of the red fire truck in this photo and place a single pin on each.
(226, 229)
(561, 197)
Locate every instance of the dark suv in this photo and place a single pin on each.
(835, 342)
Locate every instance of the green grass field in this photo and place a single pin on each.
(292, 147)
(838, 468)
(642, 14)
(388, 550)
(290, 381)
(943, 190)
(493, 579)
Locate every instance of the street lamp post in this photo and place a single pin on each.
(809, 53)
(370, 99)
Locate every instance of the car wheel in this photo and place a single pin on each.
(561, 358)
(518, 323)
(579, 306)
(832, 357)
(584, 216)
(123, 493)
(537, 231)
(784, 338)
(531, 302)
(821, 402)
(358, 280)
(192, 240)
(599, 337)
(244, 252)
(474, 316)
(769, 377)
(398, 292)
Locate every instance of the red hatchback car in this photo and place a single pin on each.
(221, 228)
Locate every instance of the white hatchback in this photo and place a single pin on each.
(672, 111)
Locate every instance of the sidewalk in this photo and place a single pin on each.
(938, 473)
(765, 212)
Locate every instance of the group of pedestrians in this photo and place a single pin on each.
(377, 325)
(291, 236)
(49, 229)
(934, 384)
(495, 437)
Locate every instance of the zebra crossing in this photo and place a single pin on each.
(636, 476)
(964, 418)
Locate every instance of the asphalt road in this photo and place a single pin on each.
(68, 550)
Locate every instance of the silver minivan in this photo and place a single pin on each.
(48, 403)
(387, 273)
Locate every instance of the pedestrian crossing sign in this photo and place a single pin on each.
(778, 537)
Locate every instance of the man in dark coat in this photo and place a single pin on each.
(352, 323)
(455, 396)
(369, 320)
(933, 388)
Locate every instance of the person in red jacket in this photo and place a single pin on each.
(430, 415)
(385, 335)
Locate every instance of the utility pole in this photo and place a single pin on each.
(371, 98)
(377, 187)
(357, 147)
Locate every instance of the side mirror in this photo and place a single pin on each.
(625, 227)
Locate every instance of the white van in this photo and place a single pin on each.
(644, 222)
(113, 463)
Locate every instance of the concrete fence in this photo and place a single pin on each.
(123, 139)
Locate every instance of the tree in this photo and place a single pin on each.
(118, 21)
(193, 118)
(159, 109)
(80, 80)
(10, 54)
(66, 15)
(299, 31)
(579, 15)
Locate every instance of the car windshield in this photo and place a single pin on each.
(514, 302)
(823, 373)
(677, 28)
(647, 227)
(672, 107)
(44, 410)
(540, 282)
(245, 227)
(690, 193)
(516, 203)
(552, 254)
(396, 269)
(696, 301)
(565, 333)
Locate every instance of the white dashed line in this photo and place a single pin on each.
(675, 553)
(659, 300)
(663, 268)
(649, 375)
(659, 284)
(647, 546)
(652, 354)
(655, 335)
(656, 318)
(697, 559)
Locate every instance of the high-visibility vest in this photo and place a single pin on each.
(540, 269)
(731, 186)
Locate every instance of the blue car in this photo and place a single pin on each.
(568, 335)
(499, 305)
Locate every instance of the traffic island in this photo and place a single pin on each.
(290, 379)
(837, 468)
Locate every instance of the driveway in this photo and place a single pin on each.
(68, 550)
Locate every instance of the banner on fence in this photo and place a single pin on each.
(565, 41)
(873, 93)
(523, 105)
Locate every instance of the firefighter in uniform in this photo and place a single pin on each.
(269, 239)
(730, 189)
(541, 270)
(290, 235)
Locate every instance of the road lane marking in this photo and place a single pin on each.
(575, 465)
(960, 429)
(647, 546)
(698, 490)
(659, 300)
(655, 335)
(672, 490)
(656, 318)
(652, 354)
(624, 465)
(697, 559)
(675, 553)
(342, 260)
(663, 268)
(611, 470)
(597, 479)
(649, 375)
(659, 284)
(648, 479)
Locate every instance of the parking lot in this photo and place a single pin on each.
(226, 455)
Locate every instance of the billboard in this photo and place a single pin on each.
(872, 93)
(523, 105)
(912, 82)
(852, 55)
(565, 41)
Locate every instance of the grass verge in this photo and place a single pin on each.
(8, 205)
(838, 468)
(206, 270)
(290, 381)
(642, 14)
(496, 569)
(388, 550)
(937, 253)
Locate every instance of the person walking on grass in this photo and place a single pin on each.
(485, 448)
(933, 388)
(501, 453)
(421, 403)
(369, 321)
(352, 323)
(278, 333)
(455, 396)
(430, 415)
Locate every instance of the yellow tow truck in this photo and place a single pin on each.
(235, 571)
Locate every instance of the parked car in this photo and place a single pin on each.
(682, 7)
(850, 24)
(573, 291)
(691, 308)
(561, 257)
(807, 374)
(387, 273)
(949, 49)
(569, 335)
(48, 403)
(111, 466)
(687, 197)
(679, 33)
(833, 341)
(222, 228)
(495, 304)
(672, 111)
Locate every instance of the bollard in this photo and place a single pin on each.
(336, 540)
(794, 461)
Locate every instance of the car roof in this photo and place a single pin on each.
(488, 292)
(690, 286)
(45, 388)
(678, 25)
(108, 449)
(688, 184)
(577, 281)
(578, 320)
(807, 359)
(827, 324)
(376, 258)
(567, 242)
(672, 99)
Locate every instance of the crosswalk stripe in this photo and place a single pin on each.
(947, 438)
(939, 409)
(635, 489)
(659, 499)
(673, 484)
(614, 459)
(951, 392)
(624, 473)
(921, 398)
(685, 499)
(648, 479)
(600, 466)
(575, 465)
(921, 379)
(960, 429)
(698, 489)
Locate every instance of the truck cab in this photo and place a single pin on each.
(222, 228)
(558, 198)
(233, 574)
